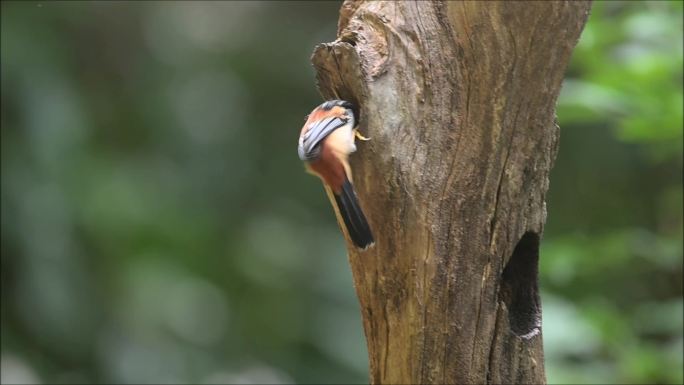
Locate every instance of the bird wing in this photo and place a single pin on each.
(308, 147)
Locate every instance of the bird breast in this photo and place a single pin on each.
(341, 141)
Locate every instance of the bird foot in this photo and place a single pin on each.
(358, 135)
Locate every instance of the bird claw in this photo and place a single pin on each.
(358, 135)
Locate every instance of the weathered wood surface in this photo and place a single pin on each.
(459, 100)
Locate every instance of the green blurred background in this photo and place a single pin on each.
(157, 226)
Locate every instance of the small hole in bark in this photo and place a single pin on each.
(350, 39)
(519, 287)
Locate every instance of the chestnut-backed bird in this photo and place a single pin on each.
(325, 142)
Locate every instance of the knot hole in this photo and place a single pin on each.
(520, 289)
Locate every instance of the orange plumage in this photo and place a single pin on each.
(325, 142)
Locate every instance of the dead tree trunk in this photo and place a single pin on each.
(459, 100)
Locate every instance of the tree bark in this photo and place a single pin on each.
(459, 100)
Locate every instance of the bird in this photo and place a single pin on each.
(325, 143)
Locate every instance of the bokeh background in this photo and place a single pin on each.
(157, 226)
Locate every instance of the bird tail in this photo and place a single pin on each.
(352, 215)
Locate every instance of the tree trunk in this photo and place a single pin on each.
(459, 99)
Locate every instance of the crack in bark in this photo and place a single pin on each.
(479, 311)
(426, 296)
(387, 344)
(490, 356)
(445, 330)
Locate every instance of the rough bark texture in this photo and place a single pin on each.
(459, 100)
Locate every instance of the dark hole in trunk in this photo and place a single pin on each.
(519, 287)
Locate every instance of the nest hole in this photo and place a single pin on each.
(520, 288)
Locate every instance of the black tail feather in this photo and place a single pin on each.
(353, 217)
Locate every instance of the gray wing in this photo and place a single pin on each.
(308, 147)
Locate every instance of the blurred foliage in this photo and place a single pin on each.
(611, 260)
(157, 225)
